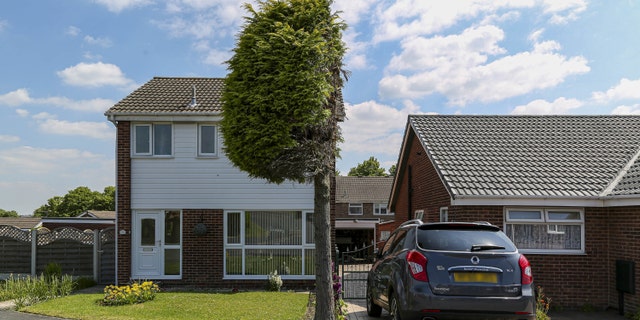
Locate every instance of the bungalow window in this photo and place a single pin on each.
(260, 242)
(207, 140)
(152, 139)
(355, 208)
(380, 208)
(546, 230)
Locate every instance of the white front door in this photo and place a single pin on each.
(147, 246)
(157, 245)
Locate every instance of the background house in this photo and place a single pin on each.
(185, 214)
(361, 203)
(565, 189)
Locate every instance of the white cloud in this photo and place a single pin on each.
(627, 110)
(459, 67)
(353, 11)
(94, 75)
(33, 175)
(73, 31)
(542, 107)
(8, 138)
(625, 89)
(119, 5)
(563, 11)
(97, 130)
(3, 25)
(102, 42)
(373, 128)
(15, 98)
(21, 97)
(22, 113)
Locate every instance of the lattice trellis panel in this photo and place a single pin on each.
(68, 233)
(15, 233)
(107, 235)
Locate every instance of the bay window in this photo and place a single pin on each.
(538, 230)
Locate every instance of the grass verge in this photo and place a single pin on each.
(182, 305)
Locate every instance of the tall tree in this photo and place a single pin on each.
(77, 201)
(5, 213)
(281, 102)
(368, 168)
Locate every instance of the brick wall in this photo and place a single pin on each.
(624, 237)
(123, 202)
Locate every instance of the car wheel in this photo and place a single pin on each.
(394, 307)
(373, 310)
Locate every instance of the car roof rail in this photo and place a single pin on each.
(411, 222)
(484, 222)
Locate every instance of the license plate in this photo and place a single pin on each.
(486, 277)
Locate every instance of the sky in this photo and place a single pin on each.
(64, 63)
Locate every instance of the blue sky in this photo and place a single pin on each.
(63, 63)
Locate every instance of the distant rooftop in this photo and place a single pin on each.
(363, 189)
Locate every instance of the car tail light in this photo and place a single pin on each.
(417, 265)
(525, 270)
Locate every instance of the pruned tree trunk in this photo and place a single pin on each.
(325, 307)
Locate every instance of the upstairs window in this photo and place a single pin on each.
(152, 139)
(380, 208)
(355, 208)
(207, 146)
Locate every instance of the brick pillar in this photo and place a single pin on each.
(123, 195)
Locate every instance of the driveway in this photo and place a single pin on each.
(357, 310)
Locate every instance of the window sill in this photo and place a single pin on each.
(151, 157)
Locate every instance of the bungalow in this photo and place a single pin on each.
(185, 214)
(565, 189)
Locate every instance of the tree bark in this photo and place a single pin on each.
(325, 307)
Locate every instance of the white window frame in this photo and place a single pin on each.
(304, 246)
(418, 214)
(215, 141)
(444, 214)
(151, 129)
(355, 206)
(551, 226)
(377, 209)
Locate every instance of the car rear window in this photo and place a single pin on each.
(464, 240)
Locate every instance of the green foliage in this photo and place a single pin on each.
(52, 271)
(283, 89)
(77, 201)
(28, 291)
(83, 283)
(392, 170)
(5, 213)
(275, 282)
(543, 303)
(137, 292)
(368, 168)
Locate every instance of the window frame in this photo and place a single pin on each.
(377, 208)
(202, 154)
(356, 205)
(304, 245)
(151, 129)
(551, 225)
(444, 214)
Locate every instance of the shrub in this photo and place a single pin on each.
(275, 282)
(136, 292)
(30, 290)
(83, 283)
(340, 305)
(52, 270)
(542, 304)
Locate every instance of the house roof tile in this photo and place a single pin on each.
(171, 95)
(543, 156)
(351, 189)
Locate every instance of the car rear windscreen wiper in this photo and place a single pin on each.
(482, 247)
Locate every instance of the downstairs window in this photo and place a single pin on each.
(546, 230)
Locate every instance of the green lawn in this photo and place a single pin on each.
(182, 305)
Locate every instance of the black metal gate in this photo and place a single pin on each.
(353, 267)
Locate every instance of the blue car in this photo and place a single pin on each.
(451, 270)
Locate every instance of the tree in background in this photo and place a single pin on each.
(281, 102)
(392, 170)
(5, 213)
(78, 201)
(368, 168)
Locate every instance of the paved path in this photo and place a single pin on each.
(357, 310)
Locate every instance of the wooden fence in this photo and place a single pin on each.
(79, 253)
